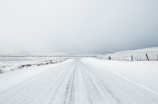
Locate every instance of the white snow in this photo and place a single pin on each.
(15, 63)
(81, 81)
(138, 55)
(141, 72)
(10, 79)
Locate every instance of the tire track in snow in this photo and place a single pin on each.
(126, 92)
(77, 82)
(98, 88)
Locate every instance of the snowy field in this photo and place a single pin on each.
(137, 55)
(15, 63)
(82, 81)
(144, 73)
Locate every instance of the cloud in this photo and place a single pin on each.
(77, 27)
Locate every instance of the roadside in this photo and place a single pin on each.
(144, 73)
(10, 79)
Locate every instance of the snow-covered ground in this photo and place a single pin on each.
(82, 81)
(15, 63)
(137, 55)
(11, 79)
(142, 72)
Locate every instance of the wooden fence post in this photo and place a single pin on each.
(109, 58)
(147, 57)
(131, 58)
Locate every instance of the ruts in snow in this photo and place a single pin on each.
(77, 82)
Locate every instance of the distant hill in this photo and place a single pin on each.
(152, 49)
(138, 55)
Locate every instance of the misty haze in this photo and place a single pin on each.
(78, 52)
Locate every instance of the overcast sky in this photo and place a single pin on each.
(77, 26)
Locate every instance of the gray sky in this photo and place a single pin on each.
(77, 26)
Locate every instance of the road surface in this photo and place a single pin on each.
(78, 82)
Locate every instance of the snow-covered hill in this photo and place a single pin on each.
(135, 55)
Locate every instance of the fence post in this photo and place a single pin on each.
(147, 57)
(109, 58)
(131, 58)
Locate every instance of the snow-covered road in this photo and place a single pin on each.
(78, 82)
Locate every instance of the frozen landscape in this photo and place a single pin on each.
(78, 51)
(147, 54)
(11, 63)
(82, 81)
